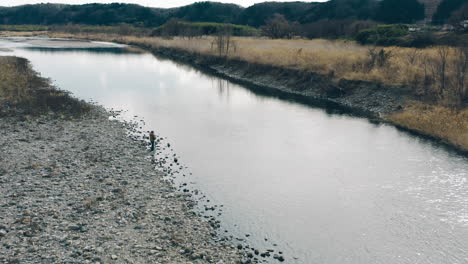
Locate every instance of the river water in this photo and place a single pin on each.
(317, 184)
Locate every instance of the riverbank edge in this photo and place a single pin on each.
(92, 152)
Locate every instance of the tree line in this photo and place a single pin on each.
(383, 11)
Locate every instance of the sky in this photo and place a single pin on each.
(152, 3)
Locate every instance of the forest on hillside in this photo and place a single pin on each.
(385, 11)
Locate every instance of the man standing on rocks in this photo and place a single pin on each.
(152, 138)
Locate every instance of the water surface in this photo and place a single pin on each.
(325, 187)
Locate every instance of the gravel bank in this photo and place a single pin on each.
(83, 191)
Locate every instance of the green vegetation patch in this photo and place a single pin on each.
(23, 28)
(383, 35)
(192, 29)
(122, 29)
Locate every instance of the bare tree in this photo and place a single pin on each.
(461, 73)
(413, 56)
(378, 57)
(278, 27)
(171, 28)
(223, 42)
(125, 29)
(441, 70)
(428, 79)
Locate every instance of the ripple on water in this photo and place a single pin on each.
(444, 192)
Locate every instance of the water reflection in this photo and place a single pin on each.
(223, 88)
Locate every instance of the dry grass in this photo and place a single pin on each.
(15, 79)
(21, 88)
(437, 121)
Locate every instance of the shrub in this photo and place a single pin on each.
(420, 40)
(343, 28)
(175, 27)
(278, 27)
(383, 35)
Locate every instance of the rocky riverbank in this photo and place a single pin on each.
(80, 190)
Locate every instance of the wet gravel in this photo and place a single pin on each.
(84, 191)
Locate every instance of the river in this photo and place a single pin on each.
(318, 184)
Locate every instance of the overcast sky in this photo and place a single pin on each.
(153, 3)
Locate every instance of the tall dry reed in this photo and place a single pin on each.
(437, 121)
(14, 79)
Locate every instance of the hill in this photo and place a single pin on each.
(386, 11)
(257, 14)
(90, 14)
(208, 12)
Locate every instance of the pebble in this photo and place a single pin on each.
(98, 199)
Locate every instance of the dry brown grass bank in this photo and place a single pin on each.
(437, 121)
(17, 80)
(22, 90)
